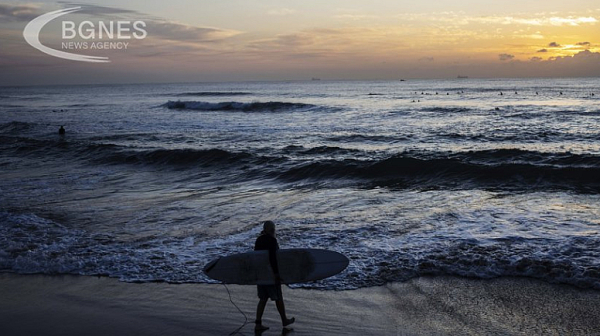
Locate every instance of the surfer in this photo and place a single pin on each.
(267, 241)
(61, 130)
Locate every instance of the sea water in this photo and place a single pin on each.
(470, 177)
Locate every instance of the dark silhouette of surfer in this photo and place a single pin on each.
(267, 241)
(61, 131)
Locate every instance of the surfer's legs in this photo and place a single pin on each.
(274, 293)
(260, 309)
(281, 308)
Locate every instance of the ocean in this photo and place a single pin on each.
(478, 178)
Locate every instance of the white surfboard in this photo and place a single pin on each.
(295, 266)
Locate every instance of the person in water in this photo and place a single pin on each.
(61, 130)
(267, 241)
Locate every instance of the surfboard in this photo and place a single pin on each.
(295, 266)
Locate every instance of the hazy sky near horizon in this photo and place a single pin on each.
(295, 40)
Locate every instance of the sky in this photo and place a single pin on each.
(231, 40)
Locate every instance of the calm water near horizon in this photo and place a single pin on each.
(406, 178)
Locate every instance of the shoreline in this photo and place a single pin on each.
(445, 305)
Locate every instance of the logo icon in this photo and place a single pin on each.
(31, 33)
(87, 30)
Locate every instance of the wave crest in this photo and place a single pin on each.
(271, 106)
(212, 94)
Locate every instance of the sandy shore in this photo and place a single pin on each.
(74, 305)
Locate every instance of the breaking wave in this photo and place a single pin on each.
(506, 169)
(33, 244)
(238, 106)
(212, 94)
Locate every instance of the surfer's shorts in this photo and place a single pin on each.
(272, 292)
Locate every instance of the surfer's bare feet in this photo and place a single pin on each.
(259, 326)
(287, 322)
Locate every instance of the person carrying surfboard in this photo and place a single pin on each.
(267, 241)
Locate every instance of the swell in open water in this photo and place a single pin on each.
(405, 178)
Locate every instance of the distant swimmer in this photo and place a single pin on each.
(561, 92)
(516, 92)
(501, 93)
(61, 130)
(536, 92)
(497, 109)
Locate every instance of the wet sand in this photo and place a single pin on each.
(78, 305)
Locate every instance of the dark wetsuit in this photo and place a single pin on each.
(269, 243)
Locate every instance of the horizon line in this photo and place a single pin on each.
(304, 80)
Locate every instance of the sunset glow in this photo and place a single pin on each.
(285, 40)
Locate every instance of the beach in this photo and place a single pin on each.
(84, 305)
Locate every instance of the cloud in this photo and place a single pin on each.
(553, 45)
(18, 12)
(506, 57)
(543, 50)
(351, 41)
(158, 28)
(584, 44)
(98, 10)
(354, 17)
(534, 19)
(182, 32)
(536, 36)
(572, 21)
(582, 56)
(283, 42)
(582, 64)
(166, 41)
(537, 21)
(281, 11)
(583, 59)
